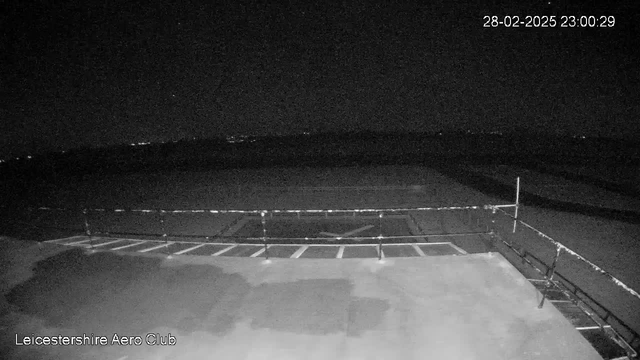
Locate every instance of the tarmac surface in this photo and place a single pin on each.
(441, 307)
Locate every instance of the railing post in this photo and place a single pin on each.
(550, 274)
(264, 235)
(493, 220)
(380, 236)
(164, 232)
(87, 229)
(515, 217)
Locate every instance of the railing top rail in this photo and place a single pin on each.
(363, 187)
(282, 211)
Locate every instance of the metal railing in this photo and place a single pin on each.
(266, 214)
(549, 272)
(520, 239)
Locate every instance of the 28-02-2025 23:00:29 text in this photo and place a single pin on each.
(550, 21)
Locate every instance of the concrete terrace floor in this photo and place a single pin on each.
(442, 307)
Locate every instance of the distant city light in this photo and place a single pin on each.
(232, 139)
(141, 143)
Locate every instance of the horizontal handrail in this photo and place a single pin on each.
(281, 211)
(575, 254)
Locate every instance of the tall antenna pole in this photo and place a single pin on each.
(515, 220)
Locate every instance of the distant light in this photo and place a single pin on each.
(28, 156)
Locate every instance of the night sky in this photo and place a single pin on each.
(88, 72)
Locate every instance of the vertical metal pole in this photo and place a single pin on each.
(515, 220)
(493, 220)
(87, 229)
(380, 236)
(164, 232)
(550, 274)
(264, 235)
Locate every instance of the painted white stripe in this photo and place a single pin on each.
(357, 230)
(108, 243)
(348, 233)
(418, 250)
(224, 250)
(187, 250)
(258, 253)
(128, 246)
(77, 242)
(155, 247)
(63, 239)
(299, 252)
(329, 234)
(340, 252)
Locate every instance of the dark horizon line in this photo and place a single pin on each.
(520, 133)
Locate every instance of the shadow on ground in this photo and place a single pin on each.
(107, 293)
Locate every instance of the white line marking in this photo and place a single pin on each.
(330, 234)
(340, 252)
(257, 253)
(108, 243)
(155, 247)
(348, 233)
(224, 250)
(67, 238)
(299, 252)
(418, 250)
(187, 250)
(77, 242)
(128, 246)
